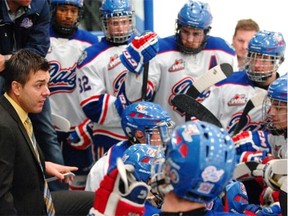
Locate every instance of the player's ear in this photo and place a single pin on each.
(140, 136)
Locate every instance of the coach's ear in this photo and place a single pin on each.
(16, 87)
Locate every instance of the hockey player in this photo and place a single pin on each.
(141, 122)
(138, 159)
(105, 85)
(256, 145)
(67, 45)
(143, 157)
(252, 146)
(227, 99)
(275, 108)
(272, 138)
(199, 161)
(187, 55)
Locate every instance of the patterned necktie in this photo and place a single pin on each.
(47, 195)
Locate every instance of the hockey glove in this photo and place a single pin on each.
(251, 141)
(121, 103)
(255, 210)
(274, 173)
(268, 196)
(252, 209)
(119, 193)
(139, 51)
(81, 138)
(247, 156)
(272, 210)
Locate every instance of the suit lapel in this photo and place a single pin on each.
(10, 109)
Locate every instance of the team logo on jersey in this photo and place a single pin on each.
(238, 100)
(119, 83)
(114, 61)
(26, 23)
(180, 87)
(178, 65)
(61, 79)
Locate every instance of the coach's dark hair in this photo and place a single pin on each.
(20, 65)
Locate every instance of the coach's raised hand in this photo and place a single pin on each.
(139, 51)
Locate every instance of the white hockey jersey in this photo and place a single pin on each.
(63, 56)
(178, 71)
(227, 99)
(102, 79)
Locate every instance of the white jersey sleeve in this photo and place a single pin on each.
(97, 173)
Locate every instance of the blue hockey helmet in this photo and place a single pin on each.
(115, 12)
(200, 160)
(146, 117)
(233, 199)
(141, 156)
(61, 29)
(194, 14)
(265, 54)
(78, 3)
(278, 89)
(275, 106)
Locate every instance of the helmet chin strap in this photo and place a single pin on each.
(62, 31)
(133, 140)
(190, 51)
(278, 132)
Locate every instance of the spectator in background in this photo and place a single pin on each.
(67, 44)
(25, 24)
(244, 31)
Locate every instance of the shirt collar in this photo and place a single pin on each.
(21, 113)
(19, 12)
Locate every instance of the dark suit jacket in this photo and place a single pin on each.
(21, 177)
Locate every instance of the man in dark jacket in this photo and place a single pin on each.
(25, 24)
(23, 186)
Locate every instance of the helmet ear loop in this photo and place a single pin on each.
(134, 138)
(177, 27)
(80, 16)
(206, 31)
